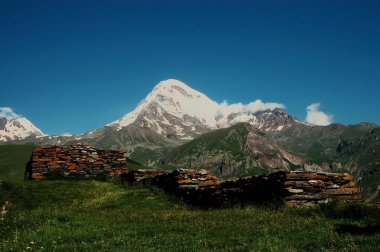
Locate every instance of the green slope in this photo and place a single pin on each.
(240, 150)
(221, 146)
(319, 143)
(13, 159)
(355, 147)
(230, 139)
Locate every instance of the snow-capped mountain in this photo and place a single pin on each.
(173, 108)
(18, 128)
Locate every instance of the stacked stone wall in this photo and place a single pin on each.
(308, 188)
(75, 161)
(294, 188)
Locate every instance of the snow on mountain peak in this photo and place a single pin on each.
(17, 128)
(172, 85)
(177, 99)
(173, 103)
(173, 90)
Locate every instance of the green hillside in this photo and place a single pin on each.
(240, 150)
(356, 147)
(320, 143)
(228, 139)
(100, 216)
(13, 159)
(212, 151)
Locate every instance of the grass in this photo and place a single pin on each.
(13, 159)
(103, 216)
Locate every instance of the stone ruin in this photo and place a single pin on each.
(196, 187)
(75, 161)
(294, 188)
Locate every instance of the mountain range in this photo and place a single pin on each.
(172, 110)
(177, 126)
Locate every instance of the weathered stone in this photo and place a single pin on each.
(341, 191)
(37, 176)
(291, 190)
(310, 197)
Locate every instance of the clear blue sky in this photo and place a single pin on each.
(74, 65)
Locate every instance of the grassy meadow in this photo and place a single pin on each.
(107, 216)
(104, 216)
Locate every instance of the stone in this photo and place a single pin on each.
(291, 190)
(37, 176)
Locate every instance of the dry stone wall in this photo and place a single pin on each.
(75, 161)
(310, 188)
(294, 188)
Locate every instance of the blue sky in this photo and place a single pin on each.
(74, 65)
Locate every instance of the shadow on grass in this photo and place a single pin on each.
(357, 230)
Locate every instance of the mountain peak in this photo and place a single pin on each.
(171, 83)
(175, 89)
(17, 128)
(171, 99)
(172, 107)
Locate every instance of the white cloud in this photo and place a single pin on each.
(317, 117)
(252, 107)
(8, 113)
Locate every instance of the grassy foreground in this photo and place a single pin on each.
(101, 216)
